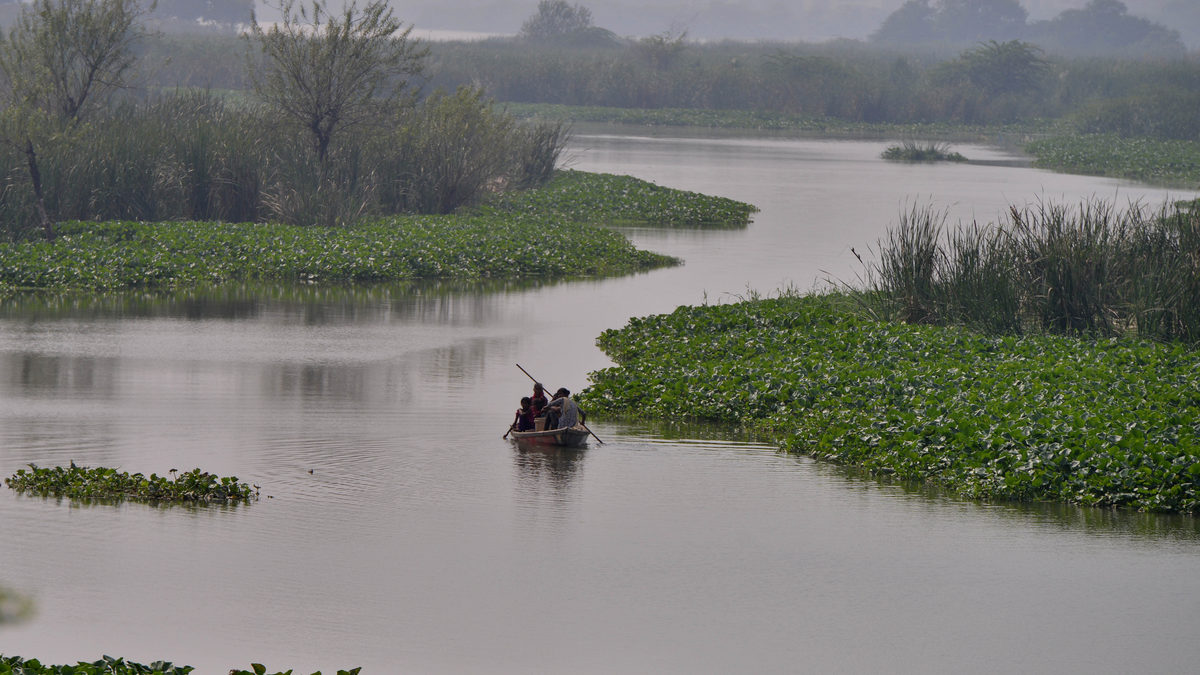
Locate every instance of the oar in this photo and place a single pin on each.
(510, 430)
(535, 381)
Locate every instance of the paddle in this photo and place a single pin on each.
(585, 427)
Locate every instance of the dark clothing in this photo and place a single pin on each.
(525, 420)
(537, 404)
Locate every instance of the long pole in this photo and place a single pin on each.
(535, 381)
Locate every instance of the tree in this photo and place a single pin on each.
(953, 21)
(1012, 67)
(555, 19)
(326, 73)
(911, 24)
(1105, 26)
(60, 60)
(63, 55)
(976, 20)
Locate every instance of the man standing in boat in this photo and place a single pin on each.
(563, 412)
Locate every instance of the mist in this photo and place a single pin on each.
(795, 20)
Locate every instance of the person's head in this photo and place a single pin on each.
(562, 393)
(526, 402)
(537, 389)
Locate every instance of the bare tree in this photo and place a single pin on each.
(60, 59)
(326, 72)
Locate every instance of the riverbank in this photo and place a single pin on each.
(1096, 422)
(1052, 144)
(551, 232)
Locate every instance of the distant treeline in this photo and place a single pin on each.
(989, 83)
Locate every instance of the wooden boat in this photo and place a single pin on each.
(571, 437)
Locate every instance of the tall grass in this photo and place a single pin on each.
(1090, 269)
(194, 155)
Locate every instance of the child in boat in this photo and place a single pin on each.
(524, 418)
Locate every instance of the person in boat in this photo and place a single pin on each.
(562, 412)
(524, 418)
(538, 401)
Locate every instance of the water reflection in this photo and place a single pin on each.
(432, 301)
(547, 474)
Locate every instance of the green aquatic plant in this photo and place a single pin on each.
(123, 254)
(14, 606)
(912, 151)
(101, 483)
(1164, 162)
(1085, 420)
(15, 665)
(586, 197)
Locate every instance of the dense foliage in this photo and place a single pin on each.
(612, 199)
(542, 233)
(15, 665)
(81, 482)
(135, 255)
(1169, 162)
(1101, 422)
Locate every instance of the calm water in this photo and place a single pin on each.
(402, 534)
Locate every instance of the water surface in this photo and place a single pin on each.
(397, 531)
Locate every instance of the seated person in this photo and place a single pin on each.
(562, 412)
(524, 418)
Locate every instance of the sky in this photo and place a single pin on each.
(796, 20)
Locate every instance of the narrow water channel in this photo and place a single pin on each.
(397, 531)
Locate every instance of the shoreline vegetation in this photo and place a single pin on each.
(1106, 422)
(1052, 357)
(552, 232)
(1052, 144)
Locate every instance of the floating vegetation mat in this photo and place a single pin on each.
(104, 484)
(1092, 421)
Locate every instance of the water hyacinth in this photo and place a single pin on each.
(102, 483)
(623, 200)
(115, 255)
(1092, 421)
(107, 665)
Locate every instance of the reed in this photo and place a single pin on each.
(195, 155)
(1090, 269)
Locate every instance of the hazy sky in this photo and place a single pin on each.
(740, 19)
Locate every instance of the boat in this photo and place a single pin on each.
(570, 437)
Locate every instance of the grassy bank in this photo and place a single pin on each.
(547, 233)
(1090, 421)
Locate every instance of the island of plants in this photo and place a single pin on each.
(1049, 357)
(913, 151)
(107, 484)
(1093, 421)
(15, 665)
(549, 232)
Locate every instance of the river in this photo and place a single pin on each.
(397, 531)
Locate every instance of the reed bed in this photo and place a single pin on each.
(198, 156)
(1087, 269)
